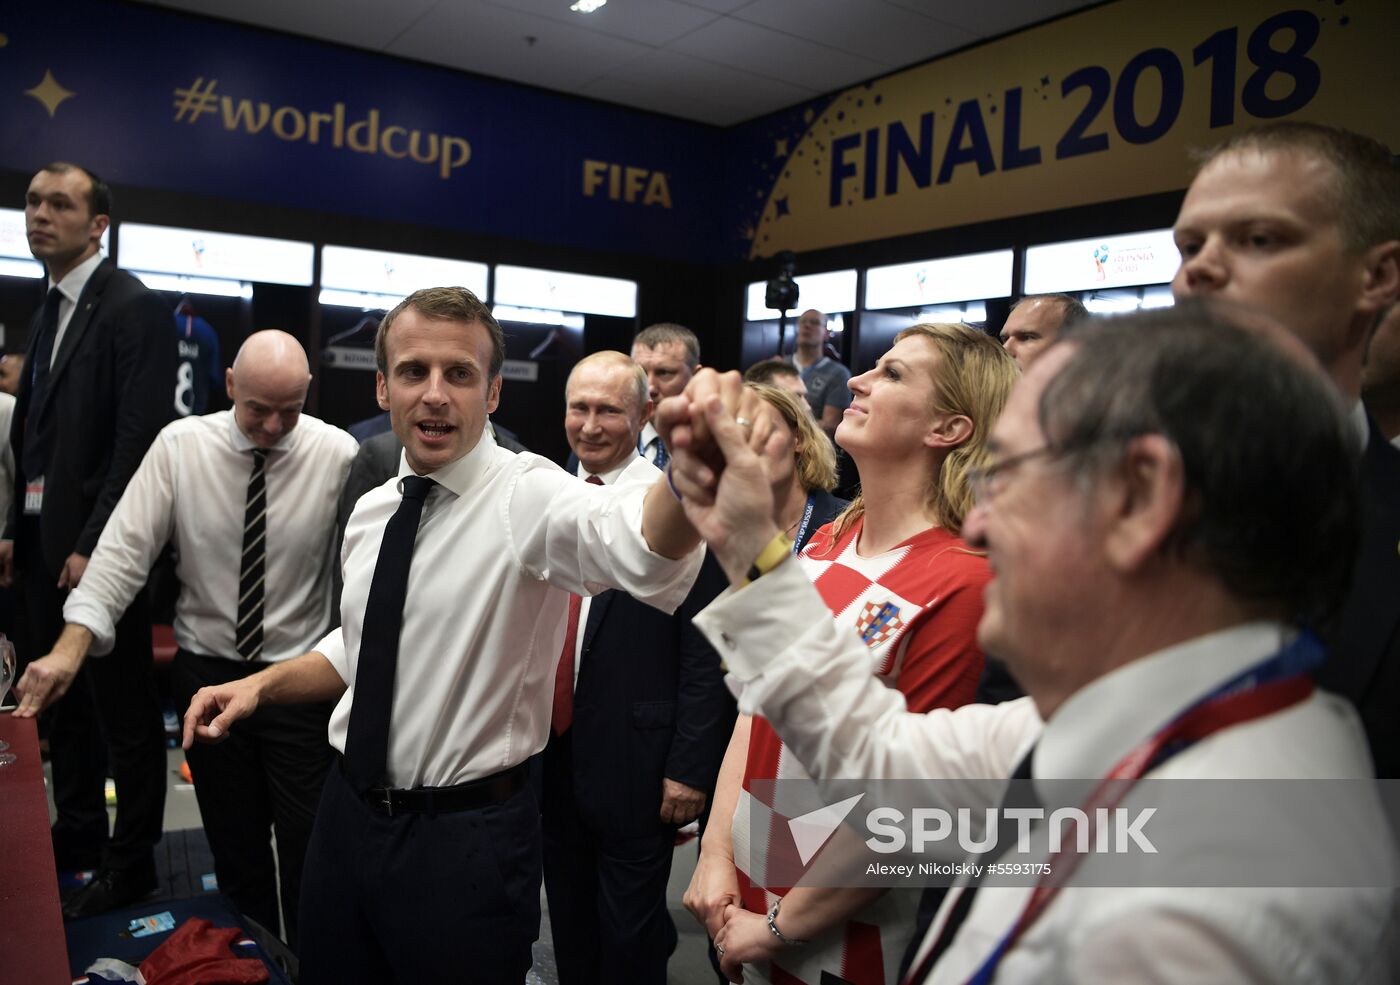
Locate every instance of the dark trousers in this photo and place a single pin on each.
(606, 891)
(266, 776)
(110, 714)
(413, 898)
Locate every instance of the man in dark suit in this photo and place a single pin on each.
(641, 721)
(1302, 222)
(95, 392)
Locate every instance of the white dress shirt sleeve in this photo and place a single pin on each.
(140, 525)
(586, 539)
(332, 647)
(812, 680)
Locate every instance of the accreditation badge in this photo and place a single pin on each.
(34, 496)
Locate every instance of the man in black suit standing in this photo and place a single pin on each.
(1302, 222)
(640, 724)
(94, 395)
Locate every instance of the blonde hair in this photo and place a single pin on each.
(973, 376)
(816, 460)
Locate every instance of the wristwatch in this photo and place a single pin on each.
(773, 926)
(777, 550)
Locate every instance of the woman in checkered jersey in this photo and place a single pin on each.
(893, 568)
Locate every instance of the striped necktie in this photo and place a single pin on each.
(252, 570)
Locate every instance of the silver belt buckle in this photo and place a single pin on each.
(388, 802)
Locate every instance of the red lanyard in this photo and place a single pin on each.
(1201, 721)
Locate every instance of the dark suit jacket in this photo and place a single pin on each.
(650, 704)
(825, 508)
(109, 394)
(1364, 662)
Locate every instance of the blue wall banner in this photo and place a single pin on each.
(157, 99)
(1094, 107)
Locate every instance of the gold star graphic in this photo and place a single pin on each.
(49, 93)
(780, 148)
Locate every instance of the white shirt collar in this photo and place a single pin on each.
(1361, 424)
(241, 442)
(459, 476)
(649, 436)
(613, 474)
(72, 284)
(1107, 718)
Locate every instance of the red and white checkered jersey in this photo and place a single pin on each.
(916, 608)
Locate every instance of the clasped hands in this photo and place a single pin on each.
(740, 936)
(722, 441)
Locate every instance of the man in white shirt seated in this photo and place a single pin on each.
(425, 858)
(248, 497)
(1151, 570)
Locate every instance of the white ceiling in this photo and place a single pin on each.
(716, 61)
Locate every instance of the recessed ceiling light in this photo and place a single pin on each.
(586, 6)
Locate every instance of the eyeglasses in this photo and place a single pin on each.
(983, 481)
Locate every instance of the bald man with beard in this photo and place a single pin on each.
(248, 497)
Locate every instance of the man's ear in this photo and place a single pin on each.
(381, 390)
(493, 394)
(1381, 285)
(1144, 498)
(228, 385)
(648, 409)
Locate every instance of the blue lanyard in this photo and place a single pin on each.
(806, 519)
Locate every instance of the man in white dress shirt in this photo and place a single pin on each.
(425, 858)
(1142, 570)
(197, 486)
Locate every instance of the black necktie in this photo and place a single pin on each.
(252, 569)
(1017, 795)
(367, 744)
(36, 452)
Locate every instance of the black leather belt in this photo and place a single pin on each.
(468, 796)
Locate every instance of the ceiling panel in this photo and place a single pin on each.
(717, 6)
(879, 31)
(765, 52)
(489, 39)
(990, 18)
(717, 61)
(650, 22)
(359, 23)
